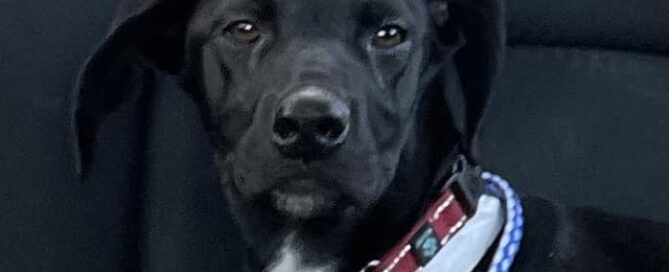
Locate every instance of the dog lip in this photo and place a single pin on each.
(300, 205)
(300, 185)
(303, 198)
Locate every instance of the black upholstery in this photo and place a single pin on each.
(583, 126)
(606, 24)
(581, 116)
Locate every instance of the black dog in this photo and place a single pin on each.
(332, 122)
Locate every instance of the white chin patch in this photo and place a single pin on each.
(298, 205)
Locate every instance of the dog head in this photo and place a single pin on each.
(309, 104)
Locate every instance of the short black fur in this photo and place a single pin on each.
(411, 105)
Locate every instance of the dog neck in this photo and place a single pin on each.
(340, 246)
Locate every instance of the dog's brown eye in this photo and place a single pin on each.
(244, 32)
(389, 36)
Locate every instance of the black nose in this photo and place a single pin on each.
(310, 124)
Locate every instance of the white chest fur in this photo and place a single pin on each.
(289, 260)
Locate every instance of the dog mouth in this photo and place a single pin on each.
(304, 199)
(300, 206)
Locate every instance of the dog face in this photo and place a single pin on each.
(309, 102)
(316, 109)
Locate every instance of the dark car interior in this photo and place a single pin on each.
(580, 116)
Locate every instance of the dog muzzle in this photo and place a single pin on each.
(474, 215)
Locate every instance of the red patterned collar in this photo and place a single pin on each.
(441, 220)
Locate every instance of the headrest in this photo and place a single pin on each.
(617, 24)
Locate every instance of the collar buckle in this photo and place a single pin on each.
(466, 183)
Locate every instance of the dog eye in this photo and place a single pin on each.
(389, 36)
(243, 32)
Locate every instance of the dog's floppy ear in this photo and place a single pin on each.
(478, 25)
(145, 35)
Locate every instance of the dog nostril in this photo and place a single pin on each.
(329, 129)
(286, 130)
